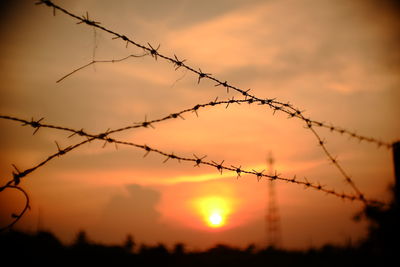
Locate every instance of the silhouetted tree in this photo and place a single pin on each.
(47, 240)
(383, 233)
(179, 249)
(250, 248)
(81, 238)
(129, 243)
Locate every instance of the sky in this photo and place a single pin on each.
(337, 60)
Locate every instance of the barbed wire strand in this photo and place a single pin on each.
(181, 63)
(195, 159)
(37, 124)
(16, 217)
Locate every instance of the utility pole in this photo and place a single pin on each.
(272, 218)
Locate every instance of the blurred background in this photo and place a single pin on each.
(338, 60)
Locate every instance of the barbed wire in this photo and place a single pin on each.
(269, 102)
(154, 52)
(16, 217)
(37, 124)
(277, 106)
(105, 136)
(239, 171)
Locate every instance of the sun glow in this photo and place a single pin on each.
(215, 220)
(214, 210)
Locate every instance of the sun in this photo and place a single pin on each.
(215, 220)
(214, 210)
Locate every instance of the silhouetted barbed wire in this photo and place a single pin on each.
(276, 105)
(38, 124)
(271, 102)
(150, 50)
(16, 216)
(239, 171)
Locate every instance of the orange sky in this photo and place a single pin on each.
(338, 60)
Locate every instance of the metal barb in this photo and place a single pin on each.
(154, 51)
(202, 75)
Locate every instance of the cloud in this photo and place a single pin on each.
(314, 46)
(135, 213)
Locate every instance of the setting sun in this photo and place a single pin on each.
(214, 210)
(215, 220)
